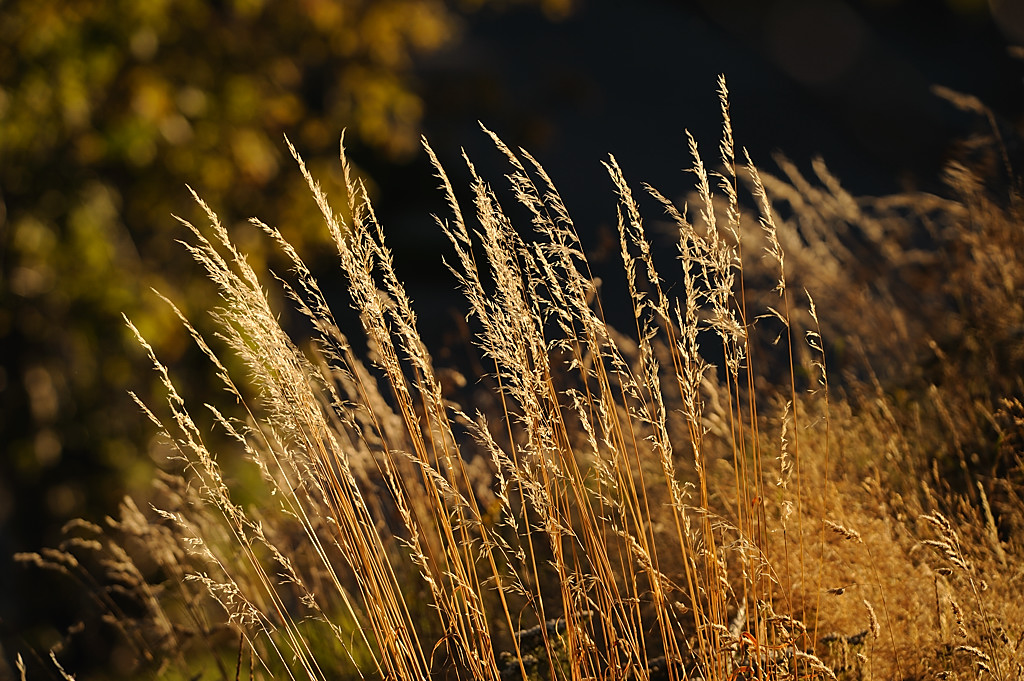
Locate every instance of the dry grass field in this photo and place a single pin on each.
(801, 460)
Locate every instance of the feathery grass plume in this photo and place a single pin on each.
(843, 531)
(874, 628)
(599, 503)
(379, 486)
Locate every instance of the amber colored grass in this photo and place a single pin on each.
(620, 507)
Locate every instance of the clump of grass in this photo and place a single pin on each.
(627, 509)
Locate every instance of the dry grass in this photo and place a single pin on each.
(602, 503)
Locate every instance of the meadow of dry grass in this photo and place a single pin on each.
(801, 460)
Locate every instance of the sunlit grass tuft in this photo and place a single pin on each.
(689, 497)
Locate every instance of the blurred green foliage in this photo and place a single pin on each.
(107, 110)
